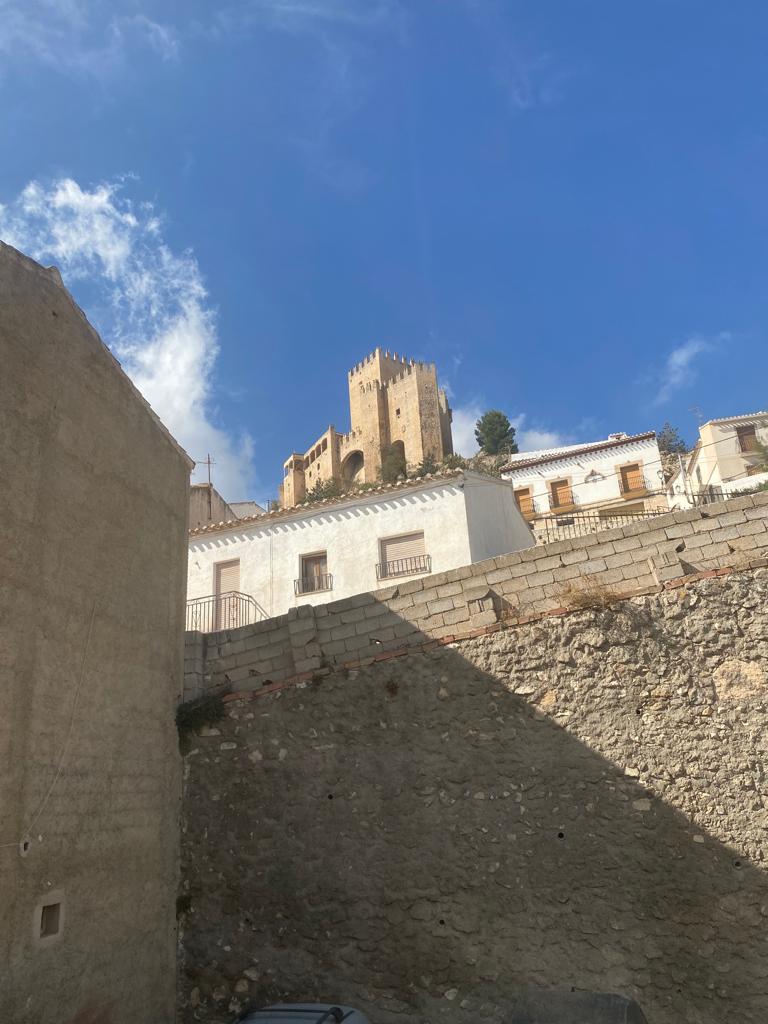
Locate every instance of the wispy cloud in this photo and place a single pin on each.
(148, 302)
(528, 439)
(80, 36)
(679, 370)
(527, 74)
(302, 15)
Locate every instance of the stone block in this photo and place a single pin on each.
(567, 572)
(574, 556)
(753, 527)
(619, 559)
(436, 607)
(593, 566)
(504, 561)
(457, 615)
(342, 632)
(354, 615)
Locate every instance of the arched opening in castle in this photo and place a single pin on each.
(393, 401)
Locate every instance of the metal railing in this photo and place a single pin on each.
(222, 611)
(404, 567)
(581, 524)
(313, 584)
(636, 485)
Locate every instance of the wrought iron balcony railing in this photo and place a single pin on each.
(313, 584)
(636, 485)
(222, 611)
(404, 567)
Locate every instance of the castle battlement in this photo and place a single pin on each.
(393, 401)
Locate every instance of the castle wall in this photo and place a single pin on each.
(391, 398)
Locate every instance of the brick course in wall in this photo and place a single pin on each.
(509, 589)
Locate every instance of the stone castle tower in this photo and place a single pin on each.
(392, 401)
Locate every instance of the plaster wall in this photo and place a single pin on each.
(91, 635)
(206, 505)
(350, 533)
(495, 522)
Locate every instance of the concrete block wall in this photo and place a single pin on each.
(642, 557)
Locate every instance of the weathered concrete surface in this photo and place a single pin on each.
(94, 515)
(577, 803)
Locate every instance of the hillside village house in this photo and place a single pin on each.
(606, 480)
(263, 565)
(726, 459)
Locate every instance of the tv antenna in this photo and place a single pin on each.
(207, 461)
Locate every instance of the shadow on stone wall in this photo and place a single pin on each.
(434, 835)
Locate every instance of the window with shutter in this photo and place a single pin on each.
(632, 478)
(314, 574)
(524, 501)
(227, 584)
(747, 437)
(403, 556)
(560, 493)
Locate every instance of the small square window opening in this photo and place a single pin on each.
(50, 920)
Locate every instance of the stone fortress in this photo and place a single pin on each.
(393, 401)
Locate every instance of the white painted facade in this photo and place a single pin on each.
(593, 476)
(726, 460)
(464, 517)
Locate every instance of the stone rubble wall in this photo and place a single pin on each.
(641, 557)
(574, 804)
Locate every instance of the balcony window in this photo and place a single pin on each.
(403, 556)
(631, 479)
(747, 438)
(560, 494)
(524, 501)
(314, 576)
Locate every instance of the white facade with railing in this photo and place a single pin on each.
(619, 476)
(729, 458)
(360, 543)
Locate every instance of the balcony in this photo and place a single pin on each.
(222, 611)
(634, 486)
(315, 584)
(560, 503)
(404, 567)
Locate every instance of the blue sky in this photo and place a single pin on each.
(562, 204)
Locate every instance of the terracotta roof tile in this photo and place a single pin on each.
(284, 513)
(569, 453)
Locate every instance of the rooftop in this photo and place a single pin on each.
(736, 419)
(524, 459)
(351, 497)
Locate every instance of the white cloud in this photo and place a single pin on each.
(149, 303)
(528, 438)
(679, 371)
(79, 36)
(463, 428)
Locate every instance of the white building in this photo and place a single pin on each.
(608, 479)
(726, 459)
(338, 547)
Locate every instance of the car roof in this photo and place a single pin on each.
(285, 1013)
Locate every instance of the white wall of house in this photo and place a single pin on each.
(494, 520)
(594, 475)
(463, 519)
(720, 461)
